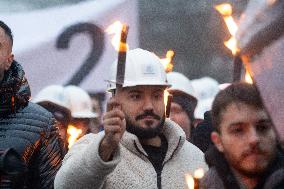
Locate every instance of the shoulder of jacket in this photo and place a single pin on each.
(211, 179)
(191, 148)
(37, 116)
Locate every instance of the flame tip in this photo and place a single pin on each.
(225, 10)
(74, 134)
(115, 29)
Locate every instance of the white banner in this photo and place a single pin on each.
(68, 45)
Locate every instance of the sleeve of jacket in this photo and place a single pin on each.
(50, 156)
(82, 167)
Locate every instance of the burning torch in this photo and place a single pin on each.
(168, 61)
(168, 65)
(73, 135)
(120, 73)
(226, 11)
(119, 42)
(193, 181)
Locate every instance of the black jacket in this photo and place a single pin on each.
(29, 129)
(201, 135)
(220, 175)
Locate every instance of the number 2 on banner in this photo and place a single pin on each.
(97, 37)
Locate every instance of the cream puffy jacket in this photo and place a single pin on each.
(130, 168)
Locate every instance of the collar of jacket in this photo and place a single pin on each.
(216, 159)
(173, 133)
(273, 176)
(14, 90)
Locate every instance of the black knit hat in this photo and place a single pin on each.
(187, 102)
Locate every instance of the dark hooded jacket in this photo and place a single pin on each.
(201, 134)
(220, 176)
(29, 129)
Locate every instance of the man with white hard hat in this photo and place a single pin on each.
(206, 89)
(139, 147)
(80, 104)
(52, 98)
(184, 101)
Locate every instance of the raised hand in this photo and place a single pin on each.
(114, 126)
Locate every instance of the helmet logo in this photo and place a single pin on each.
(149, 70)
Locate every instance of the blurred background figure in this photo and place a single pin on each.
(206, 89)
(97, 105)
(184, 101)
(52, 98)
(201, 135)
(82, 114)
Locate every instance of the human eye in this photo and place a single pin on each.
(263, 126)
(236, 129)
(135, 96)
(158, 95)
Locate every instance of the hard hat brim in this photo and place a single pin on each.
(84, 115)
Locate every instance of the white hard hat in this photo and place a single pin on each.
(79, 102)
(205, 87)
(141, 68)
(180, 83)
(203, 106)
(224, 86)
(53, 94)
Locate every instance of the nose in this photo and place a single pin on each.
(148, 104)
(253, 137)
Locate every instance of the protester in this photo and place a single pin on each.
(184, 102)
(80, 104)
(201, 135)
(139, 148)
(97, 104)
(52, 98)
(25, 127)
(245, 153)
(205, 89)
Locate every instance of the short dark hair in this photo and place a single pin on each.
(7, 31)
(235, 93)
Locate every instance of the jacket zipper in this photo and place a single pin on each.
(159, 174)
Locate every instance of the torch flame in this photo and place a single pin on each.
(115, 30)
(226, 11)
(198, 173)
(167, 62)
(74, 134)
(248, 78)
(166, 95)
(189, 181)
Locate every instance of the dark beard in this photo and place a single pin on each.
(145, 133)
(257, 172)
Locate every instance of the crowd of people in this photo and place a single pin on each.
(223, 130)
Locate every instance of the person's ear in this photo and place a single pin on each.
(216, 139)
(9, 61)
